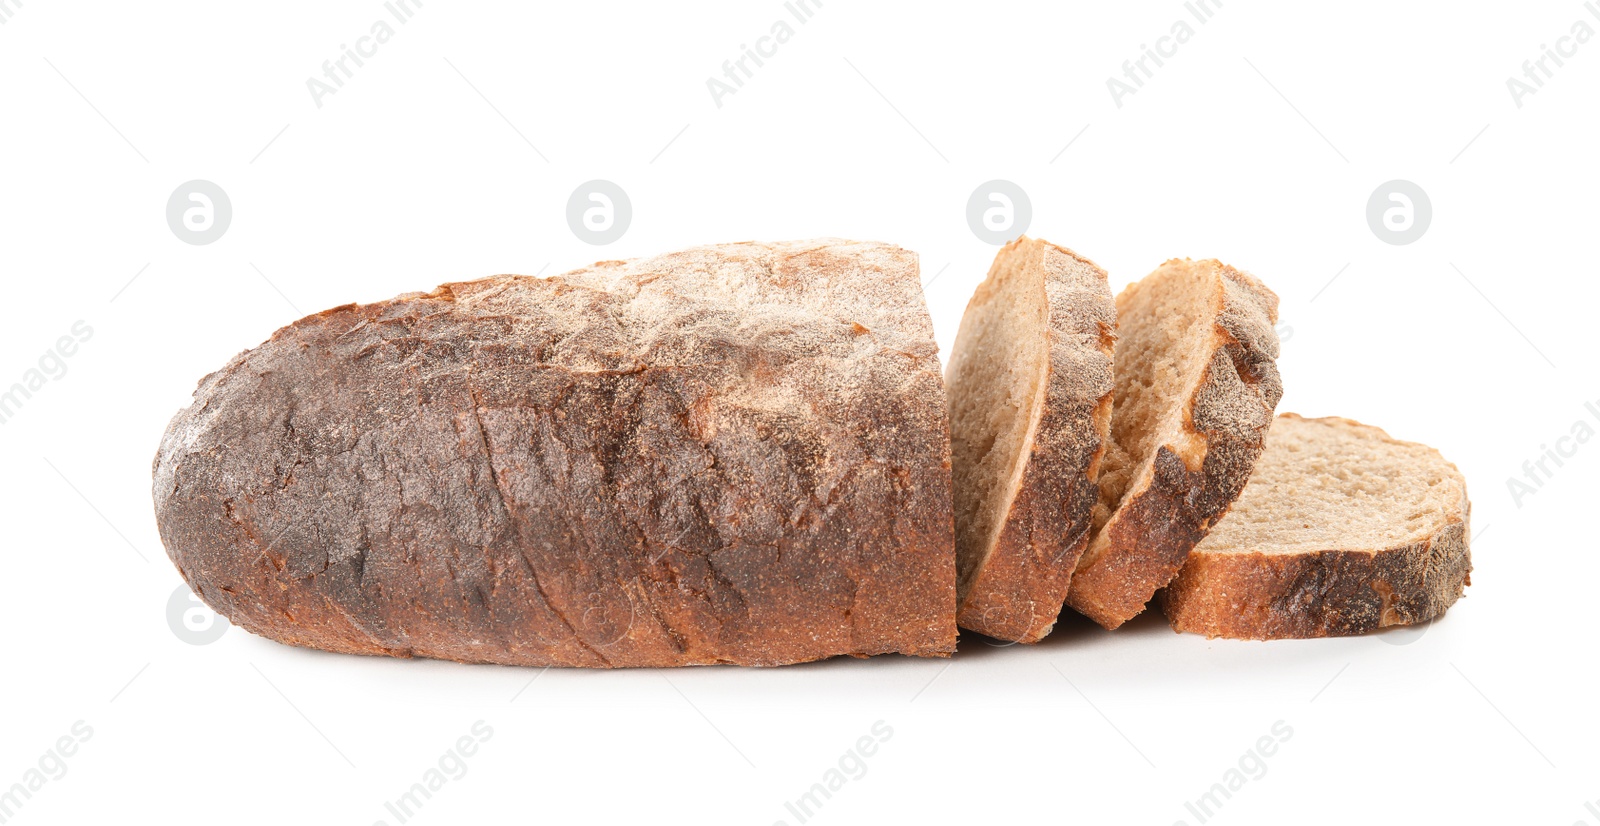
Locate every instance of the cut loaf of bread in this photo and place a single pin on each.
(1196, 385)
(730, 454)
(1029, 386)
(1342, 530)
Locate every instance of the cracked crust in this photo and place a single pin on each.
(732, 454)
(1244, 587)
(1014, 573)
(1191, 479)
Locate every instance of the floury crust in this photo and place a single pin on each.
(732, 454)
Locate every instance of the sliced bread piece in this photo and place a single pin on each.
(1029, 387)
(1342, 530)
(1196, 385)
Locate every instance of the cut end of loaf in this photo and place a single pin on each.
(1342, 530)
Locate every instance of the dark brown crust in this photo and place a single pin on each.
(1322, 594)
(1144, 544)
(1019, 591)
(532, 472)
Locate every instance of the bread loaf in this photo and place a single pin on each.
(1029, 384)
(731, 454)
(1341, 530)
(1196, 384)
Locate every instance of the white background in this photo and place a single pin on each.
(1259, 143)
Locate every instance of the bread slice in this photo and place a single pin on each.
(1342, 530)
(1029, 387)
(1196, 385)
